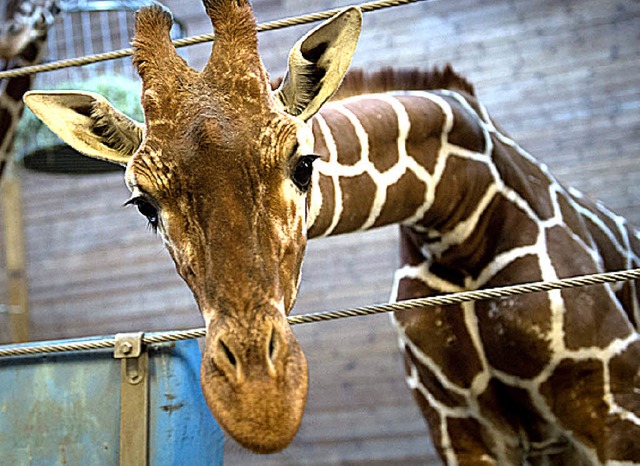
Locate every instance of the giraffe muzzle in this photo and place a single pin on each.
(254, 377)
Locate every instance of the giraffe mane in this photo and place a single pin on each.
(358, 81)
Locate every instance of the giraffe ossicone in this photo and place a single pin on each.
(224, 169)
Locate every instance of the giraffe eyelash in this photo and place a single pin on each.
(147, 209)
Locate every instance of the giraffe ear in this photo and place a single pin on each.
(318, 63)
(88, 123)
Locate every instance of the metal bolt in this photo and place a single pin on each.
(126, 347)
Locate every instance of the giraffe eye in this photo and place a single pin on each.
(146, 209)
(302, 172)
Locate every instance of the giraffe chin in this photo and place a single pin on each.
(261, 410)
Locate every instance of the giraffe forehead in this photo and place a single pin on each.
(214, 150)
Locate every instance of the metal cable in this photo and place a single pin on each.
(469, 296)
(187, 41)
(444, 300)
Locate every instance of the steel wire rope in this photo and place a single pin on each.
(441, 300)
(187, 41)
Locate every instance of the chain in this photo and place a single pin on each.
(187, 41)
(443, 300)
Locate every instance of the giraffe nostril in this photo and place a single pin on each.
(272, 346)
(228, 353)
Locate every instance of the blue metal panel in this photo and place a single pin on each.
(182, 429)
(65, 409)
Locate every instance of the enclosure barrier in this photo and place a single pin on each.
(134, 405)
(442, 300)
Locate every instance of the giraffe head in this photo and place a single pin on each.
(22, 22)
(221, 169)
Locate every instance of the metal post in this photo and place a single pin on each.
(134, 399)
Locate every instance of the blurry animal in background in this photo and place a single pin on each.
(23, 38)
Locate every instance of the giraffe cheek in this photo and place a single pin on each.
(290, 244)
(290, 271)
(186, 263)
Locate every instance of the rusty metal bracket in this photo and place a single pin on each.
(134, 398)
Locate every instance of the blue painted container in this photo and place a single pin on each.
(64, 408)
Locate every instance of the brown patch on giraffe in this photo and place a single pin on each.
(624, 374)
(320, 144)
(612, 259)
(591, 317)
(573, 220)
(605, 218)
(380, 122)
(470, 441)
(5, 120)
(442, 335)
(462, 184)
(17, 87)
(408, 187)
(523, 269)
(625, 445)
(410, 254)
(412, 288)
(524, 177)
(424, 151)
(466, 132)
(512, 412)
(501, 227)
(431, 382)
(423, 140)
(357, 200)
(574, 393)
(451, 275)
(512, 220)
(514, 331)
(347, 144)
(630, 290)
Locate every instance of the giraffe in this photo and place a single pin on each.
(235, 177)
(23, 35)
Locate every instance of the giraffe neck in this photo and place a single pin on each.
(421, 159)
(477, 210)
(471, 199)
(11, 92)
(375, 162)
